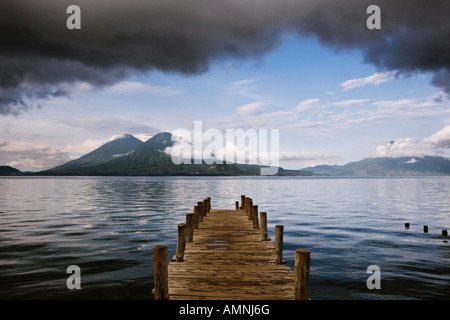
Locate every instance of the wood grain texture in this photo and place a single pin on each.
(228, 261)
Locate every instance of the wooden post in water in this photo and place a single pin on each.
(264, 236)
(237, 205)
(250, 209)
(189, 227)
(425, 229)
(160, 273)
(209, 204)
(242, 201)
(205, 207)
(407, 225)
(255, 217)
(279, 243)
(200, 210)
(181, 245)
(196, 217)
(444, 233)
(247, 204)
(301, 274)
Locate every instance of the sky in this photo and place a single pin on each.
(336, 90)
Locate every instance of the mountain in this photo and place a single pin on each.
(128, 156)
(148, 158)
(400, 166)
(114, 149)
(9, 171)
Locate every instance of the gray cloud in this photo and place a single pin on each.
(109, 125)
(38, 52)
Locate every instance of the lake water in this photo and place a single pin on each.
(108, 226)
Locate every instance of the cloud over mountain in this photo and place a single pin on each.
(437, 143)
(41, 59)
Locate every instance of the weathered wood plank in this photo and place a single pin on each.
(229, 261)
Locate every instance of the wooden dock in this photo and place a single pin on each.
(227, 255)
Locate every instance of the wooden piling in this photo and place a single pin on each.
(301, 274)
(160, 273)
(196, 217)
(407, 225)
(200, 210)
(189, 227)
(242, 202)
(205, 207)
(255, 217)
(250, 209)
(209, 204)
(444, 233)
(181, 244)
(425, 229)
(279, 243)
(264, 235)
(237, 205)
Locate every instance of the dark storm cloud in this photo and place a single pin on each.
(38, 53)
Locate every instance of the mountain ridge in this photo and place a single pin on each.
(388, 166)
(108, 151)
(9, 171)
(129, 156)
(149, 159)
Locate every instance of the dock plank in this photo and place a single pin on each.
(228, 261)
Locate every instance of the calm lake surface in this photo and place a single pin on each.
(108, 226)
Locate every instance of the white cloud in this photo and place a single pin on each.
(351, 103)
(437, 143)
(440, 139)
(403, 147)
(244, 88)
(375, 79)
(142, 136)
(31, 156)
(133, 87)
(308, 104)
(253, 108)
(305, 155)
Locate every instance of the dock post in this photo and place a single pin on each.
(264, 236)
(200, 206)
(160, 273)
(255, 217)
(196, 217)
(242, 201)
(237, 205)
(247, 203)
(209, 204)
(250, 209)
(444, 233)
(189, 227)
(301, 274)
(425, 229)
(279, 243)
(205, 207)
(181, 244)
